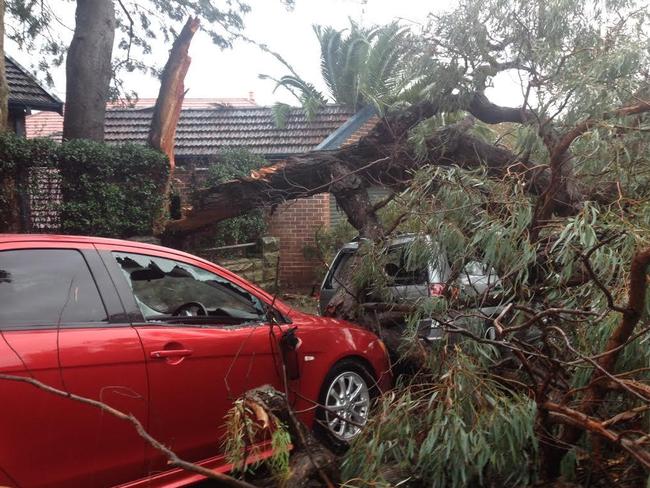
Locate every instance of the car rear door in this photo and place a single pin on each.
(62, 323)
(197, 366)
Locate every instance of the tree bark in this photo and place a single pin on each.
(310, 460)
(88, 70)
(4, 89)
(172, 91)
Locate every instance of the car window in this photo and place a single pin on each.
(166, 290)
(338, 266)
(403, 271)
(48, 287)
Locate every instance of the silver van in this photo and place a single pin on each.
(409, 281)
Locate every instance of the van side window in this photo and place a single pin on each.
(47, 287)
(171, 291)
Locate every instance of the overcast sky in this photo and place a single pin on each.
(234, 72)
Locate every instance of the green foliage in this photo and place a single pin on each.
(107, 190)
(242, 429)
(239, 430)
(17, 156)
(360, 66)
(462, 429)
(279, 461)
(327, 242)
(229, 165)
(281, 113)
(111, 190)
(580, 56)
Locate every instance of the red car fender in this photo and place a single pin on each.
(325, 342)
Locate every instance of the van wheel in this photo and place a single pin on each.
(346, 394)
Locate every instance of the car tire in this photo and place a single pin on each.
(349, 388)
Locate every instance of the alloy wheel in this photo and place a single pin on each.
(348, 403)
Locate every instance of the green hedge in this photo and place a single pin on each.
(107, 190)
(17, 155)
(111, 190)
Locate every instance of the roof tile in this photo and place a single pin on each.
(203, 131)
(25, 91)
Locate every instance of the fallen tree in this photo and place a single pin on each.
(553, 194)
(383, 157)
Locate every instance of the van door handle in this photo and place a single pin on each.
(171, 353)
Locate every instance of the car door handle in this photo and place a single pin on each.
(171, 353)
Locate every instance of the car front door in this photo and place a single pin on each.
(59, 329)
(206, 341)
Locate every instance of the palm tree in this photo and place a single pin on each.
(360, 66)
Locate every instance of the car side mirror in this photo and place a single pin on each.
(289, 344)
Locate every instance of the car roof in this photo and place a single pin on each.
(17, 238)
(396, 241)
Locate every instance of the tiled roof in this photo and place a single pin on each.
(25, 91)
(191, 102)
(49, 124)
(203, 132)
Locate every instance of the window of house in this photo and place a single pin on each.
(170, 291)
(43, 287)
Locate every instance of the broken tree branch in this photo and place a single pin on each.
(310, 458)
(605, 364)
(578, 420)
(172, 91)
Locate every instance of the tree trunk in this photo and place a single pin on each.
(4, 89)
(167, 111)
(381, 157)
(88, 70)
(172, 91)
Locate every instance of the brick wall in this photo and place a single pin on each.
(295, 223)
(188, 178)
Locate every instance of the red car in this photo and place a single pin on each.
(165, 336)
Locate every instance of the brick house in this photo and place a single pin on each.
(26, 94)
(202, 133)
(207, 127)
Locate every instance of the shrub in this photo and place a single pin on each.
(17, 156)
(115, 191)
(111, 190)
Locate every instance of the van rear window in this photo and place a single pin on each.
(334, 275)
